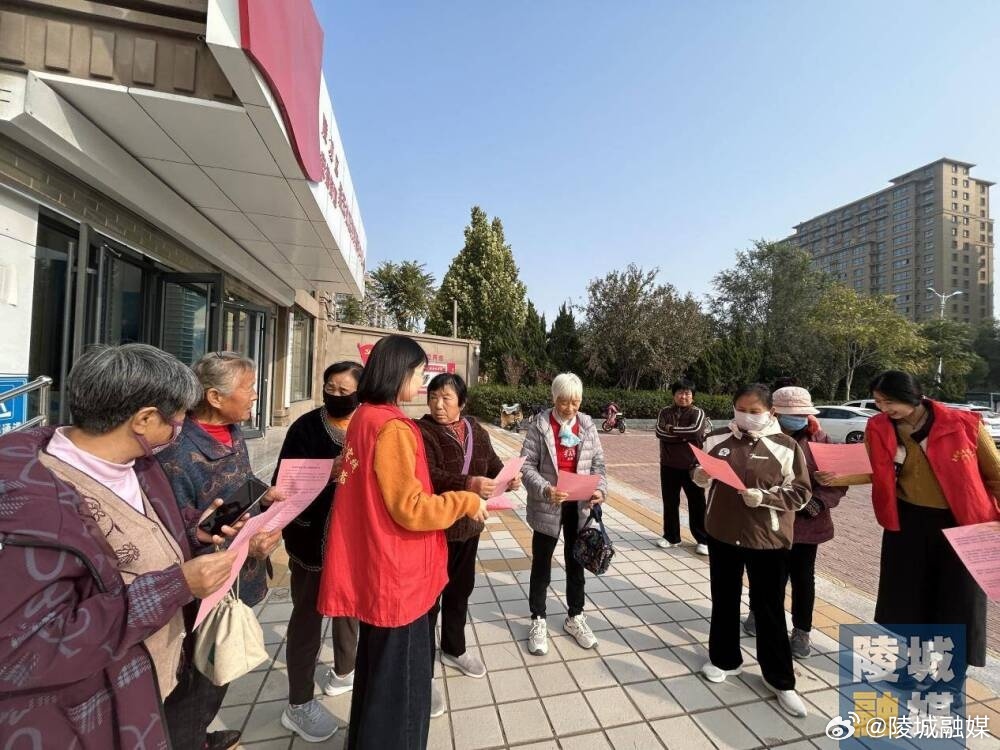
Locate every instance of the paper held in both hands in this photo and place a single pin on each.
(300, 480)
(499, 501)
(578, 486)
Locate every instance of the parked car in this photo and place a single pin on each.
(990, 418)
(863, 403)
(844, 424)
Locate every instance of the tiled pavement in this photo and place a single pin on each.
(638, 689)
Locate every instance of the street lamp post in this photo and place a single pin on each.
(944, 299)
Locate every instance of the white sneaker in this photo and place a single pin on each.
(310, 721)
(538, 637)
(789, 701)
(334, 684)
(578, 628)
(437, 701)
(701, 549)
(663, 543)
(712, 673)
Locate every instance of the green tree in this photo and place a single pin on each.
(351, 310)
(863, 331)
(638, 330)
(764, 302)
(492, 305)
(532, 346)
(564, 341)
(405, 291)
(950, 343)
(726, 363)
(986, 343)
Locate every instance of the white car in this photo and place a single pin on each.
(864, 403)
(844, 424)
(990, 418)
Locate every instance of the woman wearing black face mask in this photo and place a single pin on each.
(317, 434)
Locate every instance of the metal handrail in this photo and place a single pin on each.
(42, 384)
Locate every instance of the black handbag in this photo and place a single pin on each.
(593, 548)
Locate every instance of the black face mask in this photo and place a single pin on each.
(340, 406)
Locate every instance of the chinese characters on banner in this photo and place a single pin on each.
(908, 683)
(335, 186)
(435, 366)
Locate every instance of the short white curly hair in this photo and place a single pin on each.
(567, 385)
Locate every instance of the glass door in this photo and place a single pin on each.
(189, 314)
(245, 331)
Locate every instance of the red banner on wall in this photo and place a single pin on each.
(364, 351)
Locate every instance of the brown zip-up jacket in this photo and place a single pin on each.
(677, 427)
(771, 462)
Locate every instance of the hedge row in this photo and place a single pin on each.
(485, 400)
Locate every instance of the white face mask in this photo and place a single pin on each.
(751, 422)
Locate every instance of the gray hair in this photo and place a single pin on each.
(220, 370)
(109, 384)
(567, 385)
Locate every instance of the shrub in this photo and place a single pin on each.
(485, 401)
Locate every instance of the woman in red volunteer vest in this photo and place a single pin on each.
(933, 468)
(385, 562)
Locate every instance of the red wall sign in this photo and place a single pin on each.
(285, 41)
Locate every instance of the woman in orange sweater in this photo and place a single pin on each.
(386, 560)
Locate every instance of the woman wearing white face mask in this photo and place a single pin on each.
(752, 529)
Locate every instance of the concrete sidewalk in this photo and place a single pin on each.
(639, 688)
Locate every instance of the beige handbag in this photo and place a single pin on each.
(230, 642)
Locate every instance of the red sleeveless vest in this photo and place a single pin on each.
(374, 569)
(951, 452)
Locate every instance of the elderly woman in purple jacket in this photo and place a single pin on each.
(813, 524)
(96, 561)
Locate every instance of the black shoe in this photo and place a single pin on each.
(227, 739)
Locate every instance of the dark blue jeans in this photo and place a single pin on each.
(391, 704)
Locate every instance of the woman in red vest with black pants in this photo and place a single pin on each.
(933, 468)
(386, 561)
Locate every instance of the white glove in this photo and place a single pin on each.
(752, 497)
(700, 477)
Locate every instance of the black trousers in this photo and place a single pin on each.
(391, 704)
(542, 547)
(802, 572)
(191, 707)
(454, 602)
(767, 571)
(671, 482)
(305, 634)
(923, 582)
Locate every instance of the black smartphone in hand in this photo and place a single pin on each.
(235, 505)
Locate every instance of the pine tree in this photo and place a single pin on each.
(483, 278)
(564, 342)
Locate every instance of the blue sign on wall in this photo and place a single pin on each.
(14, 411)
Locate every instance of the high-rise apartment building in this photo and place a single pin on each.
(930, 228)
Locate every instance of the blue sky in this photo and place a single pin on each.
(663, 133)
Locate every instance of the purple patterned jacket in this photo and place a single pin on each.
(74, 672)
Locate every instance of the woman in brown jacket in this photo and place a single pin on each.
(752, 529)
(460, 457)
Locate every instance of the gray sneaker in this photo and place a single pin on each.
(800, 644)
(310, 721)
(467, 663)
(750, 625)
(437, 701)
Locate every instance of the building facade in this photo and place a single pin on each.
(930, 228)
(171, 172)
